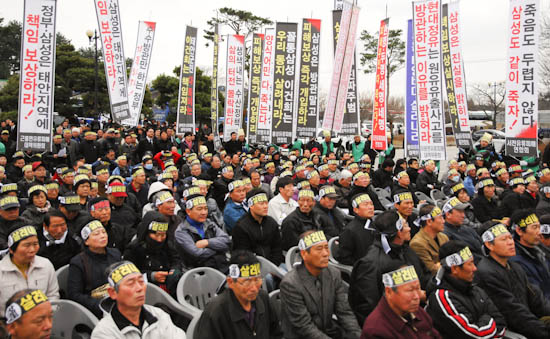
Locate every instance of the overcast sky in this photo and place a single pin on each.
(483, 30)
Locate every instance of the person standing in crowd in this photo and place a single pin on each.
(313, 292)
(243, 309)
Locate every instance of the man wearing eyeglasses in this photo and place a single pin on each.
(242, 310)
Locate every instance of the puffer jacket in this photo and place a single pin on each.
(366, 286)
(426, 182)
(543, 207)
(260, 238)
(33, 216)
(521, 304)
(156, 324)
(355, 240)
(462, 310)
(536, 265)
(484, 209)
(124, 215)
(187, 235)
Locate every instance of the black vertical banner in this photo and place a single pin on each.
(308, 83)
(186, 101)
(284, 82)
(351, 125)
(255, 86)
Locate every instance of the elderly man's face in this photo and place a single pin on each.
(406, 299)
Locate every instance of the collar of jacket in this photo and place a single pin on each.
(206, 225)
(126, 326)
(237, 312)
(395, 319)
(533, 253)
(326, 210)
(463, 287)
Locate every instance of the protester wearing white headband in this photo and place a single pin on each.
(458, 307)
(29, 315)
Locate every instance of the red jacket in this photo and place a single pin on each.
(175, 157)
(384, 323)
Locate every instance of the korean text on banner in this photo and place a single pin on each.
(284, 80)
(521, 78)
(344, 58)
(36, 81)
(140, 68)
(263, 133)
(255, 86)
(214, 87)
(462, 134)
(234, 90)
(110, 31)
(411, 114)
(308, 80)
(379, 140)
(186, 98)
(429, 85)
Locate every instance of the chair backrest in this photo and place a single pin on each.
(423, 196)
(156, 295)
(275, 300)
(198, 285)
(267, 267)
(190, 332)
(334, 246)
(292, 257)
(67, 316)
(436, 194)
(62, 275)
(381, 192)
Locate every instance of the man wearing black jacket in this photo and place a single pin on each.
(147, 144)
(361, 184)
(459, 308)
(427, 180)
(256, 231)
(521, 303)
(90, 148)
(333, 219)
(302, 219)
(57, 243)
(358, 235)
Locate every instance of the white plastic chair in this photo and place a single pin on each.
(292, 257)
(198, 286)
(62, 275)
(437, 194)
(67, 316)
(156, 295)
(334, 245)
(190, 332)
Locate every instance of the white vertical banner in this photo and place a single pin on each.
(458, 72)
(37, 75)
(521, 78)
(234, 89)
(140, 67)
(110, 32)
(266, 91)
(343, 60)
(429, 91)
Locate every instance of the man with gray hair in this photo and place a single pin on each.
(126, 315)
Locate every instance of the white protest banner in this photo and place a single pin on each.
(36, 81)
(265, 112)
(234, 89)
(110, 32)
(522, 78)
(140, 68)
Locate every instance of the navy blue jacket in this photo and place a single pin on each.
(536, 266)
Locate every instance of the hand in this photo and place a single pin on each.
(437, 266)
(506, 221)
(55, 156)
(202, 243)
(422, 202)
(160, 276)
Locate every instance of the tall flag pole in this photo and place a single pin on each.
(521, 109)
(137, 82)
(186, 96)
(234, 95)
(284, 80)
(308, 80)
(110, 31)
(429, 90)
(379, 116)
(214, 87)
(411, 115)
(37, 77)
(255, 86)
(454, 76)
